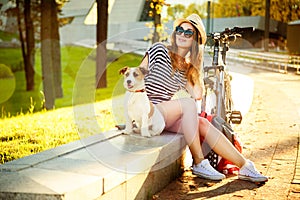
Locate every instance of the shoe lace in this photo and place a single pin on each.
(251, 170)
(208, 168)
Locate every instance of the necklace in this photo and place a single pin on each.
(182, 65)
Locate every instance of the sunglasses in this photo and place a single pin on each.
(187, 33)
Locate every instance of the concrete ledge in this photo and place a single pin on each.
(102, 166)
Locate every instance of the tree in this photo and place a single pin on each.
(195, 8)
(285, 10)
(27, 41)
(155, 12)
(179, 11)
(46, 50)
(280, 10)
(50, 48)
(55, 47)
(176, 11)
(102, 18)
(29, 23)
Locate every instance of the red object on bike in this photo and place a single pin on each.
(225, 166)
(205, 115)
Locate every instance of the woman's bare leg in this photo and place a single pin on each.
(181, 116)
(219, 143)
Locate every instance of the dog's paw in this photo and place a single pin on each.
(127, 131)
(145, 134)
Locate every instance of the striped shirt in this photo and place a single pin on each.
(162, 82)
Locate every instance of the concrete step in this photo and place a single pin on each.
(98, 167)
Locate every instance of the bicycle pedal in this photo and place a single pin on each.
(235, 117)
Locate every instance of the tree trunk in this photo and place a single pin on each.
(157, 23)
(46, 51)
(267, 25)
(102, 18)
(21, 31)
(30, 51)
(55, 47)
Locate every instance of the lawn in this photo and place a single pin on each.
(78, 72)
(25, 128)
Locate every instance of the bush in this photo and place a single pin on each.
(5, 72)
(17, 66)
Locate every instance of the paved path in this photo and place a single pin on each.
(270, 135)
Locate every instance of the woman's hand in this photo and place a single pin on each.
(196, 91)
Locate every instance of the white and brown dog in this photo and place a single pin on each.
(141, 115)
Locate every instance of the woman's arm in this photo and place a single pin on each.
(196, 91)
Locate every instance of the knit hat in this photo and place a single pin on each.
(196, 21)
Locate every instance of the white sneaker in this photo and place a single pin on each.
(249, 173)
(205, 170)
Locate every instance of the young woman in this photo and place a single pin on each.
(176, 67)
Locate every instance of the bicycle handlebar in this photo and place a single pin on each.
(230, 34)
(237, 30)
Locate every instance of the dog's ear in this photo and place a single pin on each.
(144, 70)
(123, 70)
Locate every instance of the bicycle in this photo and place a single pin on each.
(217, 79)
(218, 94)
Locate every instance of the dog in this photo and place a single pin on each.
(140, 114)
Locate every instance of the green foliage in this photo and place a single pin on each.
(12, 57)
(7, 83)
(179, 11)
(5, 72)
(7, 36)
(7, 88)
(285, 10)
(280, 10)
(195, 8)
(155, 7)
(175, 11)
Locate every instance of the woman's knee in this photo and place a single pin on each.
(203, 126)
(189, 105)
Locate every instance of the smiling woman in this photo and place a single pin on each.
(177, 66)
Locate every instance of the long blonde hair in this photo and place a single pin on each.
(193, 67)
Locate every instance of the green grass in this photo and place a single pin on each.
(25, 128)
(31, 133)
(21, 101)
(12, 57)
(7, 36)
(78, 72)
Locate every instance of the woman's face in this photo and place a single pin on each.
(181, 40)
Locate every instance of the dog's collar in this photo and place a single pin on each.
(141, 90)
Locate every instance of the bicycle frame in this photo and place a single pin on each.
(216, 72)
(220, 85)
